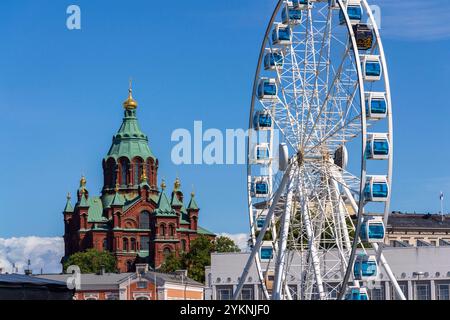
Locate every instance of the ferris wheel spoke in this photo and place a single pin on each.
(307, 135)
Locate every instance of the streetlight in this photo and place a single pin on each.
(417, 274)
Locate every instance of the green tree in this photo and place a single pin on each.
(92, 261)
(198, 258)
(225, 244)
(173, 263)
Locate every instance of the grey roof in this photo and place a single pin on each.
(24, 279)
(112, 281)
(418, 221)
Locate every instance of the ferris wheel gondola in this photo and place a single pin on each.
(321, 82)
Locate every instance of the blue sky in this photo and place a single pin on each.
(61, 93)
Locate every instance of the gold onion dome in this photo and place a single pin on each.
(163, 185)
(83, 182)
(130, 103)
(177, 184)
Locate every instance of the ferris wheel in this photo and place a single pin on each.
(320, 153)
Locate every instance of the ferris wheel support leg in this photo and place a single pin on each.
(259, 240)
(383, 261)
(280, 262)
(312, 247)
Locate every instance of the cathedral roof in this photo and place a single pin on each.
(130, 141)
(193, 204)
(164, 207)
(68, 208)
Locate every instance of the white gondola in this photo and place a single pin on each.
(301, 4)
(365, 268)
(260, 222)
(262, 153)
(356, 293)
(273, 60)
(378, 146)
(376, 105)
(373, 230)
(267, 89)
(354, 11)
(260, 187)
(281, 35)
(262, 120)
(266, 251)
(291, 15)
(371, 65)
(376, 189)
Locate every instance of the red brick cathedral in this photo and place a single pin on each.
(132, 218)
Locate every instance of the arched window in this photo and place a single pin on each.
(105, 244)
(124, 167)
(162, 230)
(171, 230)
(133, 244)
(144, 220)
(137, 170)
(167, 252)
(183, 245)
(125, 244)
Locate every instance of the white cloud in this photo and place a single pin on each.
(241, 239)
(43, 253)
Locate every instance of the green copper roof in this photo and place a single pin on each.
(203, 231)
(68, 208)
(95, 212)
(118, 200)
(130, 141)
(175, 202)
(164, 207)
(193, 204)
(83, 201)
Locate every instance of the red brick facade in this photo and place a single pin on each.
(132, 218)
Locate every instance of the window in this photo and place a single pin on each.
(144, 220)
(171, 230)
(167, 252)
(142, 284)
(145, 243)
(422, 291)
(129, 266)
(377, 293)
(403, 287)
(162, 230)
(247, 293)
(183, 245)
(133, 244)
(224, 292)
(137, 172)
(105, 244)
(124, 172)
(125, 244)
(443, 291)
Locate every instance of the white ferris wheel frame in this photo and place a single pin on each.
(280, 290)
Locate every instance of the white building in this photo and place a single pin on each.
(431, 263)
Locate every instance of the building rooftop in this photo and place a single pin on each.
(418, 221)
(111, 281)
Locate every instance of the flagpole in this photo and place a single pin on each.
(442, 205)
